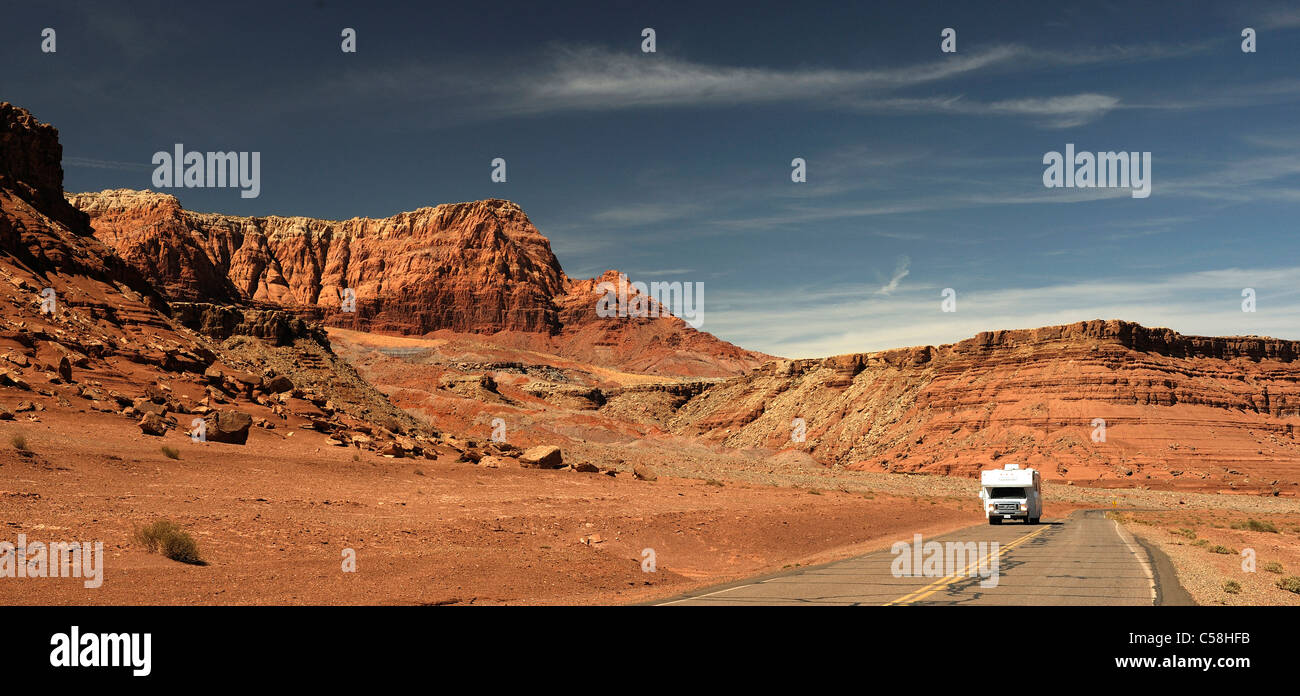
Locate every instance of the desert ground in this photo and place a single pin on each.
(1209, 551)
(272, 519)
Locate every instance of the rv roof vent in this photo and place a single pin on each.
(1011, 467)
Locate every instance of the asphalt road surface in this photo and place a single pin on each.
(1085, 559)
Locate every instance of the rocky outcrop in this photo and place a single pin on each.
(223, 321)
(83, 331)
(71, 296)
(657, 345)
(31, 169)
(39, 229)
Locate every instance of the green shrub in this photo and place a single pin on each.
(1184, 532)
(1255, 526)
(170, 540)
(1219, 548)
(1290, 583)
(1232, 587)
(1273, 567)
(171, 452)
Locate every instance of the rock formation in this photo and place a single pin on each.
(1096, 401)
(82, 330)
(478, 267)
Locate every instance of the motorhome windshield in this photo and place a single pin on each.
(1006, 492)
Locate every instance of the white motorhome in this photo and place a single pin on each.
(1011, 493)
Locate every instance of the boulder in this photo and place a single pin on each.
(277, 385)
(542, 457)
(153, 424)
(230, 427)
(242, 382)
(644, 472)
(360, 440)
(146, 406)
(213, 376)
(157, 394)
(11, 378)
(495, 462)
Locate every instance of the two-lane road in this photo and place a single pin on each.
(1084, 559)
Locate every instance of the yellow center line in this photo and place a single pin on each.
(947, 580)
(956, 574)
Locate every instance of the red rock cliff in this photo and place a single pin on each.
(478, 267)
(1217, 413)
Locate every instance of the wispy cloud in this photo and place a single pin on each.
(817, 321)
(105, 164)
(664, 272)
(591, 78)
(1064, 111)
(595, 79)
(1281, 18)
(639, 214)
(900, 272)
(1201, 98)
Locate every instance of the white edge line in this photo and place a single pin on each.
(1142, 557)
(687, 599)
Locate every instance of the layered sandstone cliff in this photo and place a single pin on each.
(1097, 401)
(479, 267)
(473, 267)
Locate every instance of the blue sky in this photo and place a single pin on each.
(924, 168)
